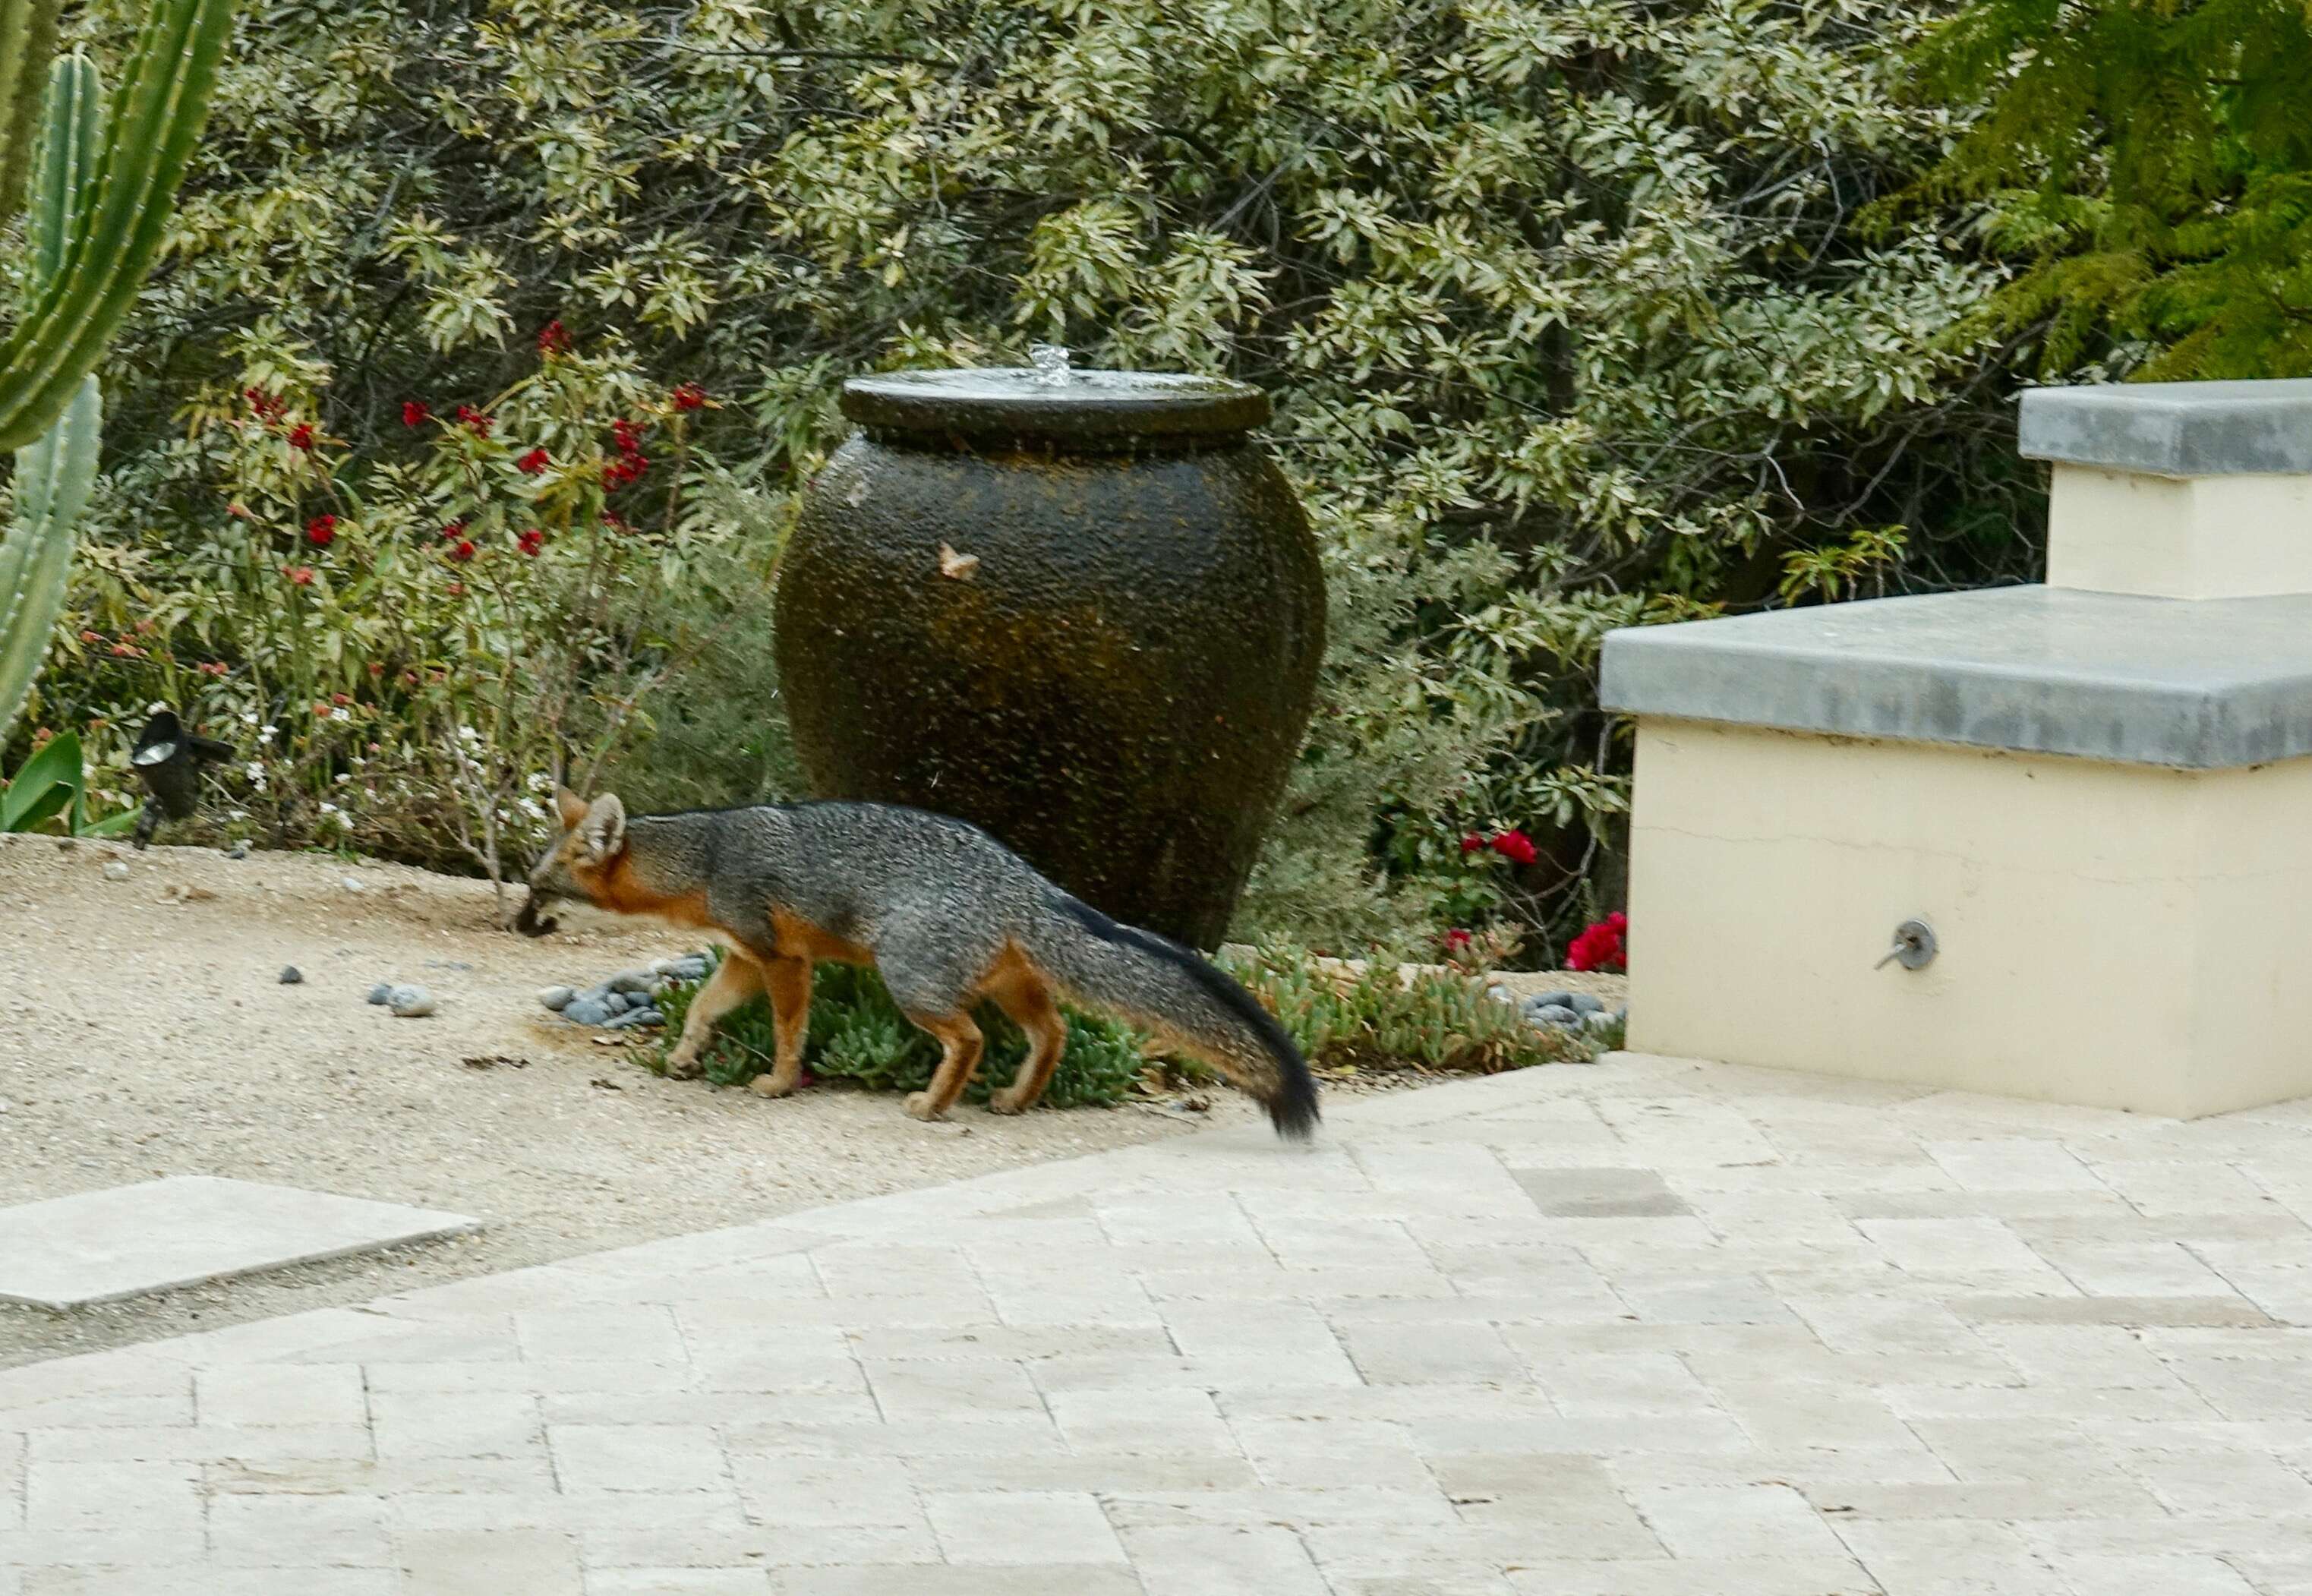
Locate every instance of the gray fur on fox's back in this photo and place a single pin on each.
(938, 901)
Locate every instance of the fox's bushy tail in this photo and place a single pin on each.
(1145, 979)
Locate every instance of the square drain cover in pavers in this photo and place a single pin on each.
(101, 1246)
(1600, 1194)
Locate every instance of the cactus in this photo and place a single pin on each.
(53, 477)
(148, 141)
(103, 188)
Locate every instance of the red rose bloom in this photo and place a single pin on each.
(620, 472)
(415, 413)
(1515, 847)
(532, 464)
(464, 551)
(1457, 941)
(321, 530)
(1602, 946)
(553, 339)
(627, 438)
(474, 419)
(531, 541)
(453, 531)
(689, 396)
(301, 436)
(267, 406)
(1472, 843)
(298, 576)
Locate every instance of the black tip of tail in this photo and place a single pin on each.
(1293, 1110)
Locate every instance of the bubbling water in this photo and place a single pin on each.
(1051, 364)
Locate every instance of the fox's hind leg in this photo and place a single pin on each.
(735, 980)
(788, 983)
(960, 1043)
(1027, 997)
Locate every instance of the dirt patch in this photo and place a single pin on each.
(144, 1031)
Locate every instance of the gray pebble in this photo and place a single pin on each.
(1555, 1015)
(353, 883)
(381, 993)
(411, 1003)
(116, 872)
(291, 976)
(239, 850)
(1599, 1020)
(633, 981)
(587, 1010)
(636, 1017)
(557, 998)
(1550, 1000)
(1584, 1003)
(617, 1002)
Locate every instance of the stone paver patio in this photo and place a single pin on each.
(1646, 1329)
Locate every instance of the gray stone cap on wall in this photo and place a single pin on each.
(2191, 684)
(2173, 429)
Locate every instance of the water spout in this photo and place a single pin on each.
(1051, 364)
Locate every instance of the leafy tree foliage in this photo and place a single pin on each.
(1560, 299)
(2149, 167)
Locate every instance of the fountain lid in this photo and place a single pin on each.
(1022, 404)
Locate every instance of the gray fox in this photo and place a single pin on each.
(949, 916)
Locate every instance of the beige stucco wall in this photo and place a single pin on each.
(2112, 935)
(2236, 537)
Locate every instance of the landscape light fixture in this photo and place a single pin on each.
(168, 759)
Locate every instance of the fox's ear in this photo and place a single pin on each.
(604, 828)
(571, 807)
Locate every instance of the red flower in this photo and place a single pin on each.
(1602, 946)
(1471, 842)
(91, 637)
(415, 413)
(301, 436)
(267, 406)
(453, 530)
(457, 590)
(464, 551)
(1457, 941)
(126, 651)
(531, 541)
(689, 396)
(476, 421)
(532, 464)
(1515, 847)
(321, 530)
(298, 576)
(620, 472)
(627, 436)
(553, 339)
(341, 699)
(614, 521)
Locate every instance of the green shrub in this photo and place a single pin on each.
(1373, 1017)
(1561, 304)
(1368, 1020)
(857, 1033)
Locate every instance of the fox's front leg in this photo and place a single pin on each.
(788, 982)
(735, 980)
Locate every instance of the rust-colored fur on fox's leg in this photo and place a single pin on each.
(787, 981)
(1025, 994)
(735, 980)
(960, 1043)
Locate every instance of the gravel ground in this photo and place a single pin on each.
(144, 1031)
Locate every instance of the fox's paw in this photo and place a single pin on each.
(921, 1107)
(1006, 1101)
(771, 1084)
(682, 1063)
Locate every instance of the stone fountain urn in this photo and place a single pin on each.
(1081, 609)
